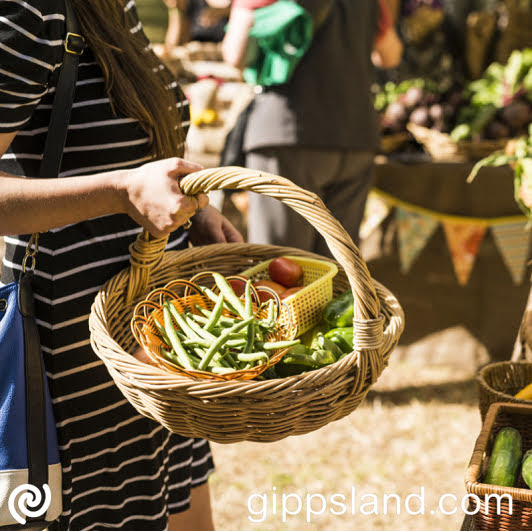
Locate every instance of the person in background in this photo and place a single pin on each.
(319, 129)
(196, 20)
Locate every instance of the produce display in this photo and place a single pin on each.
(499, 104)
(518, 154)
(496, 107)
(507, 462)
(417, 101)
(503, 468)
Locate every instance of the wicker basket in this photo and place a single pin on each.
(394, 142)
(441, 147)
(488, 517)
(499, 382)
(187, 296)
(232, 411)
(304, 306)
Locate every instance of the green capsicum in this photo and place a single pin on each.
(339, 312)
(342, 337)
(296, 361)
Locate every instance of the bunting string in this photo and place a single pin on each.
(463, 234)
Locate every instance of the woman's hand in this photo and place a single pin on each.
(153, 197)
(209, 225)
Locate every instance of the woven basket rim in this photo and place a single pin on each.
(481, 379)
(441, 147)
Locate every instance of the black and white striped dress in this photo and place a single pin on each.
(120, 470)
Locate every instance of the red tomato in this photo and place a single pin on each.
(238, 285)
(285, 272)
(288, 292)
(265, 295)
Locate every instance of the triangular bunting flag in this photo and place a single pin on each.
(413, 231)
(375, 213)
(464, 241)
(513, 242)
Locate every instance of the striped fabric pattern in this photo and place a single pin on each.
(120, 470)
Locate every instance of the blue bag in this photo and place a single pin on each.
(30, 471)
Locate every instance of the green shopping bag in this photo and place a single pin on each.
(283, 32)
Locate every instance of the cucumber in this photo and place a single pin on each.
(505, 459)
(526, 468)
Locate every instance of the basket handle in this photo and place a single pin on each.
(367, 319)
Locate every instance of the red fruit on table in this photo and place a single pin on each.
(285, 272)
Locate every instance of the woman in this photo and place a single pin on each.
(120, 170)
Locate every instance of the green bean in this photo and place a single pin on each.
(253, 356)
(232, 343)
(249, 313)
(195, 343)
(238, 335)
(248, 305)
(222, 370)
(278, 345)
(216, 314)
(207, 336)
(188, 331)
(224, 320)
(221, 340)
(161, 330)
(170, 356)
(227, 291)
(198, 318)
(181, 353)
(271, 311)
(214, 298)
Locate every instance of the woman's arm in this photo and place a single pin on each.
(149, 194)
(388, 48)
(237, 48)
(178, 30)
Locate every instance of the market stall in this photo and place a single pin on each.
(489, 298)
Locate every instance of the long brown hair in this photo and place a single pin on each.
(135, 82)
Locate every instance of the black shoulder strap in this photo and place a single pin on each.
(64, 96)
(34, 368)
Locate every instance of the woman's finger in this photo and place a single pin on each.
(232, 235)
(203, 200)
(182, 167)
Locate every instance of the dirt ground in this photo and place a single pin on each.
(416, 430)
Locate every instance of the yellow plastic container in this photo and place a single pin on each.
(305, 306)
